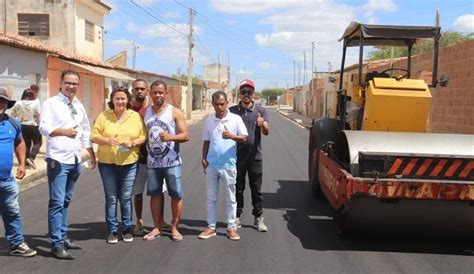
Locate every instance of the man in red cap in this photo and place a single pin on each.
(249, 154)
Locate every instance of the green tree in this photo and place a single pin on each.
(184, 77)
(447, 38)
(272, 93)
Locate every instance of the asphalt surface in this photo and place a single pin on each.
(301, 235)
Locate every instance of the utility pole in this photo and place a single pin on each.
(312, 68)
(134, 54)
(219, 68)
(4, 17)
(189, 94)
(304, 67)
(329, 67)
(299, 75)
(294, 74)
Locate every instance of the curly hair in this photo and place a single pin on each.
(120, 89)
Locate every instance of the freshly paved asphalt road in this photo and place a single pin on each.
(301, 236)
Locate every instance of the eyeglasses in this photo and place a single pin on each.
(246, 91)
(120, 88)
(67, 83)
(72, 109)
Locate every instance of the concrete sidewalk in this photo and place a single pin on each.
(33, 175)
(287, 111)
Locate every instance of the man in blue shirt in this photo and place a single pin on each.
(220, 134)
(11, 141)
(249, 154)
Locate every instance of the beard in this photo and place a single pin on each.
(140, 98)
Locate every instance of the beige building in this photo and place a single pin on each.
(76, 26)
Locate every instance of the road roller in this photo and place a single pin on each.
(372, 158)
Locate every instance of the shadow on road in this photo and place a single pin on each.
(311, 221)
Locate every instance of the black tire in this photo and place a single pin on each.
(313, 169)
(340, 219)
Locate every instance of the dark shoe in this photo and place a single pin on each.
(59, 252)
(71, 244)
(23, 250)
(112, 238)
(31, 163)
(127, 237)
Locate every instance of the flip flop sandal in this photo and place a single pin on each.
(177, 238)
(150, 236)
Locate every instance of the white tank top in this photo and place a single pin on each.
(161, 154)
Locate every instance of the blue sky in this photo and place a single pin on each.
(260, 38)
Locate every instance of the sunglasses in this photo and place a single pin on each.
(246, 91)
(72, 109)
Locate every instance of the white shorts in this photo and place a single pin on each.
(140, 181)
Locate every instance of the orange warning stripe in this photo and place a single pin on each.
(453, 168)
(438, 168)
(467, 169)
(398, 162)
(426, 164)
(409, 167)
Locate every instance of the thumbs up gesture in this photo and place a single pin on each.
(226, 134)
(165, 136)
(260, 121)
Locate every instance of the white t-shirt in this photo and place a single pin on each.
(223, 152)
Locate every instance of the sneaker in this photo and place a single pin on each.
(31, 163)
(238, 223)
(261, 227)
(127, 237)
(207, 233)
(232, 234)
(23, 250)
(112, 238)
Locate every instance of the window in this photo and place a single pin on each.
(33, 24)
(90, 31)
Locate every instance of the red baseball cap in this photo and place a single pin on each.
(248, 83)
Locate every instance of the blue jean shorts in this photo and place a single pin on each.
(172, 177)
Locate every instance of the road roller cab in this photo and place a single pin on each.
(372, 156)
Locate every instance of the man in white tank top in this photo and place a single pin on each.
(166, 127)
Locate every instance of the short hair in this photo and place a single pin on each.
(28, 94)
(159, 83)
(67, 72)
(139, 80)
(216, 95)
(34, 87)
(120, 89)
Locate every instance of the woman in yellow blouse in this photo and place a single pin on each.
(119, 132)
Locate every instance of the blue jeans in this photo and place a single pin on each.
(118, 184)
(10, 210)
(62, 180)
(172, 177)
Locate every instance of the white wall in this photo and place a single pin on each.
(20, 68)
(84, 47)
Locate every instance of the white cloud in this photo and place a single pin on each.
(146, 2)
(267, 66)
(373, 6)
(120, 43)
(161, 30)
(242, 73)
(465, 23)
(252, 6)
(294, 29)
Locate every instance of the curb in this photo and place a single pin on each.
(298, 121)
(40, 174)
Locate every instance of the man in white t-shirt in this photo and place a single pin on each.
(219, 158)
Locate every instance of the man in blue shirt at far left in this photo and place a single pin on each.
(11, 141)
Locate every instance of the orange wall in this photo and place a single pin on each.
(95, 98)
